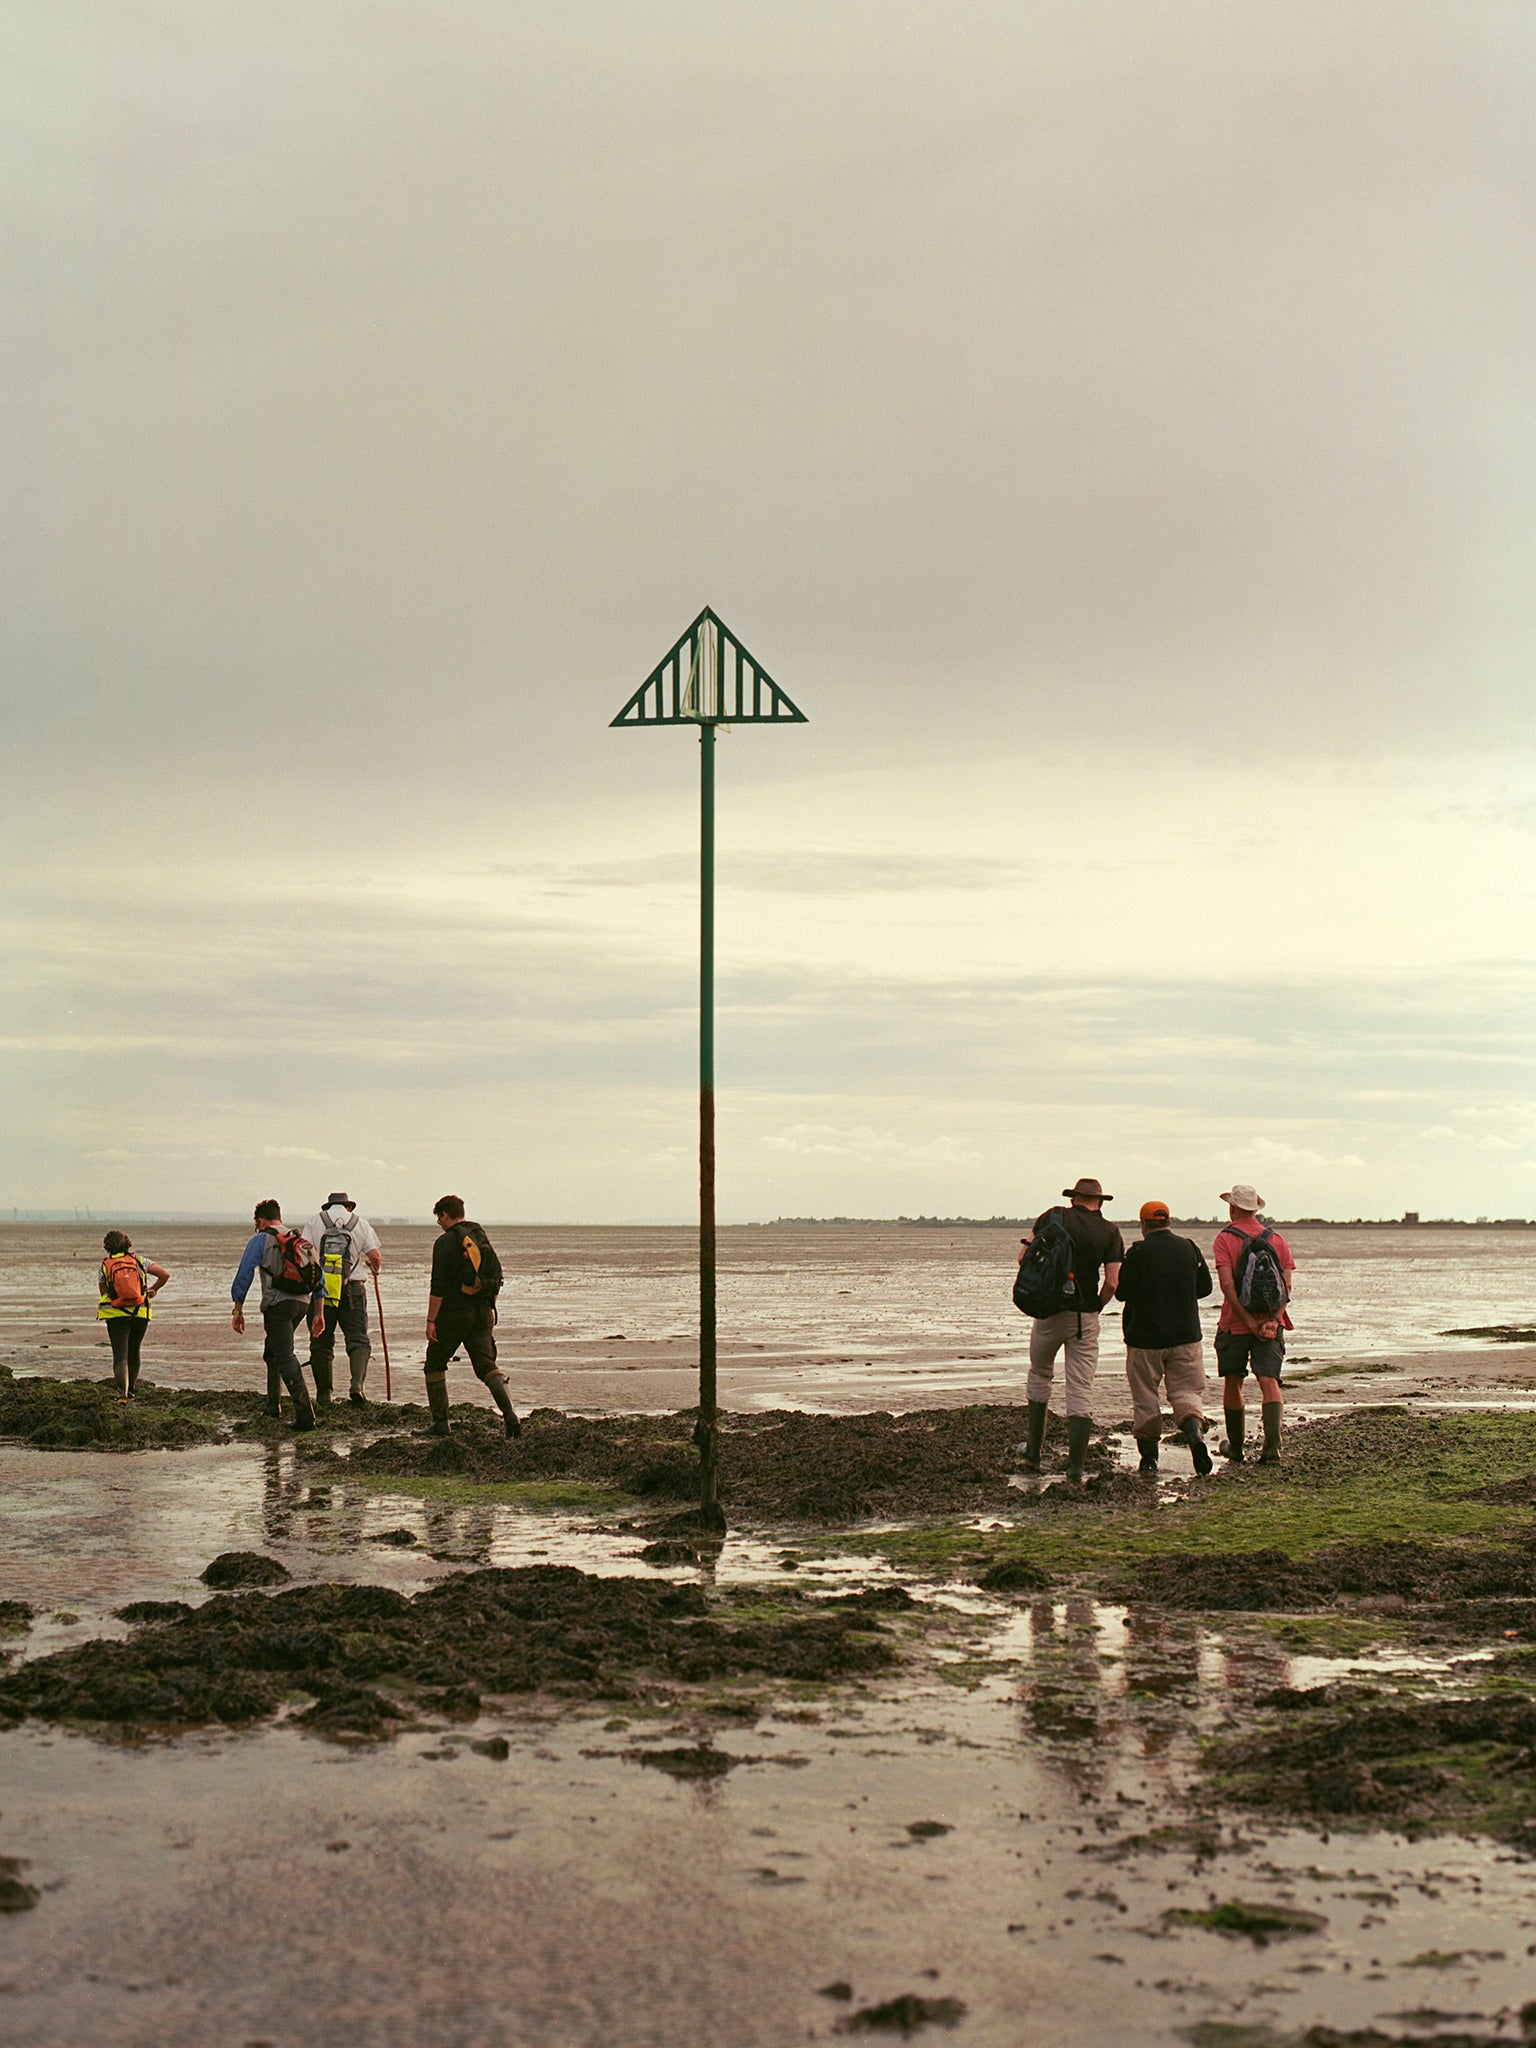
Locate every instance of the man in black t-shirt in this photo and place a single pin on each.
(1097, 1248)
(466, 1277)
(1162, 1283)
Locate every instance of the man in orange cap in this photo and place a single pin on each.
(1161, 1283)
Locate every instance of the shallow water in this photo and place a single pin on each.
(819, 1317)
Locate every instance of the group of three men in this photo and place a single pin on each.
(315, 1276)
(1161, 1281)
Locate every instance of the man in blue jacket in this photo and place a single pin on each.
(283, 1308)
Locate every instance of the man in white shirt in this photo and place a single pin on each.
(336, 1226)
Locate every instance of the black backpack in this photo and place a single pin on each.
(1046, 1282)
(479, 1267)
(1257, 1276)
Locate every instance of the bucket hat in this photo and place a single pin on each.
(1241, 1196)
(1089, 1189)
(347, 1202)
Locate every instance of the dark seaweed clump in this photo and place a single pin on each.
(1347, 1751)
(232, 1568)
(775, 1466)
(73, 1415)
(369, 1658)
(1256, 1581)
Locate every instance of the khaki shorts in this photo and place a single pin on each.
(1179, 1367)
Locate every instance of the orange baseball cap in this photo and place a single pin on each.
(1154, 1212)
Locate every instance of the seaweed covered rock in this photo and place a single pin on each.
(233, 1568)
(72, 1415)
(368, 1657)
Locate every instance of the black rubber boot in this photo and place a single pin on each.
(1237, 1423)
(1189, 1429)
(1147, 1445)
(357, 1368)
(497, 1388)
(303, 1408)
(321, 1370)
(1079, 1429)
(1271, 1413)
(274, 1391)
(1034, 1436)
(437, 1401)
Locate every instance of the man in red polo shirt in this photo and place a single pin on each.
(1250, 1339)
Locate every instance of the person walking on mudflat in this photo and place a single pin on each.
(1256, 1271)
(348, 1246)
(291, 1292)
(466, 1278)
(1058, 1285)
(126, 1285)
(1161, 1284)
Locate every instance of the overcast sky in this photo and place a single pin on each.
(1112, 423)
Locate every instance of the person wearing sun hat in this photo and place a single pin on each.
(1095, 1245)
(1251, 1336)
(337, 1220)
(1161, 1284)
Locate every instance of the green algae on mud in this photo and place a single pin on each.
(370, 1660)
(1371, 1476)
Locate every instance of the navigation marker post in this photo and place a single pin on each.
(707, 679)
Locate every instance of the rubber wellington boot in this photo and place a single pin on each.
(437, 1401)
(274, 1389)
(1189, 1429)
(303, 1410)
(321, 1368)
(1237, 1423)
(1147, 1445)
(1034, 1438)
(1272, 1412)
(497, 1387)
(1079, 1429)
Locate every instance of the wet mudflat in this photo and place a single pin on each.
(484, 1753)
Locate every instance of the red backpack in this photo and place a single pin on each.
(291, 1261)
(122, 1281)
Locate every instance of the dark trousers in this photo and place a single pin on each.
(126, 1334)
(474, 1326)
(351, 1313)
(280, 1320)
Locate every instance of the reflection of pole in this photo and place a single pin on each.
(389, 1392)
(708, 1431)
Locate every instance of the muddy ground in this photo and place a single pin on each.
(1400, 1528)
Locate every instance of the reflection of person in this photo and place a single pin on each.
(282, 1311)
(1246, 1340)
(358, 1244)
(466, 1278)
(1096, 1243)
(126, 1285)
(1161, 1283)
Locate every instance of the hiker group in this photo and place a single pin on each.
(314, 1278)
(1075, 1262)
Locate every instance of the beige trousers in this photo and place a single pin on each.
(1051, 1334)
(1181, 1367)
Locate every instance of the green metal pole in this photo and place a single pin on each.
(708, 1432)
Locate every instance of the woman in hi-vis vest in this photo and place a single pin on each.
(127, 1284)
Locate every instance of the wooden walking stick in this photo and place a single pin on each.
(389, 1392)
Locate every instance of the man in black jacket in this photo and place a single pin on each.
(1161, 1283)
(466, 1278)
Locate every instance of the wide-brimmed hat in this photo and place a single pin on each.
(1156, 1212)
(1241, 1196)
(347, 1202)
(1089, 1190)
